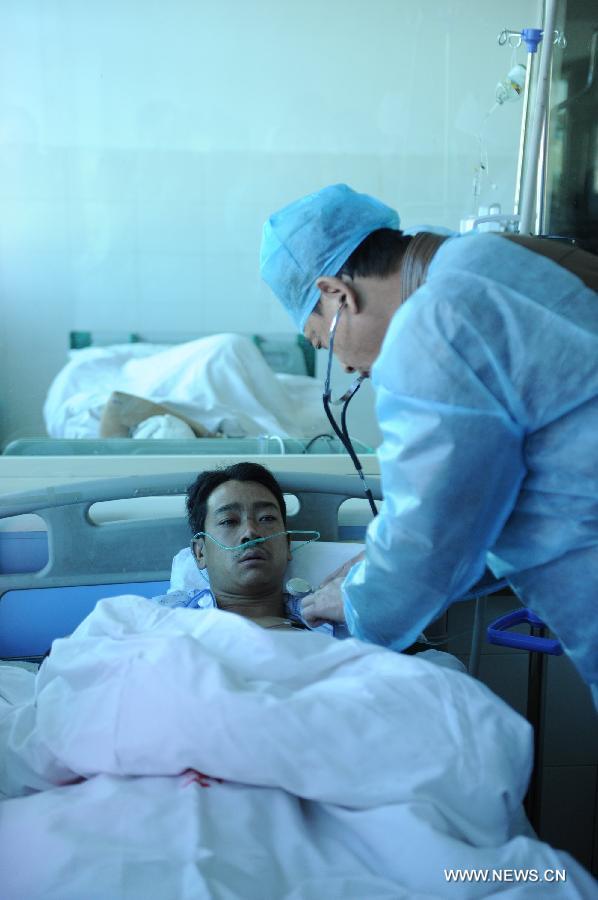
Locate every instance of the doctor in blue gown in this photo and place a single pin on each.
(483, 352)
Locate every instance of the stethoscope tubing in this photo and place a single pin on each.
(342, 432)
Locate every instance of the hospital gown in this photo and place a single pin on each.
(203, 598)
(487, 398)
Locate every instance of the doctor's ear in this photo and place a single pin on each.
(335, 290)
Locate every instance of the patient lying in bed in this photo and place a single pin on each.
(332, 769)
(126, 415)
(213, 386)
(230, 508)
(233, 507)
(336, 769)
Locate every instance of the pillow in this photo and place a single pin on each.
(312, 562)
(166, 426)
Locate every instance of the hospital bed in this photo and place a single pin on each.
(119, 536)
(274, 367)
(292, 354)
(90, 549)
(265, 445)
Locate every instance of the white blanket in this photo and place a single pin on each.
(332, 769)
(223, 381)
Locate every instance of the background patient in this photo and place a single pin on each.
(234, 506)
(124, 413)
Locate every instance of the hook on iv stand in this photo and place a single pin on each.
(530, 174)
(529, 181)
(531, 37)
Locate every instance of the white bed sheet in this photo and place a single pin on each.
(223, 381)
(347, 770)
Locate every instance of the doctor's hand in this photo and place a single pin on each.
(325, 604)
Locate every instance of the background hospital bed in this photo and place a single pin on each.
(267, 445)
(287, 354)
(91, 549)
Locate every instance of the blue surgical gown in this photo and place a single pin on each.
(487, 399)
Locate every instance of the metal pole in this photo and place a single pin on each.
(539, 212)
(476, 638)
(530, 173)
(524, 131)
(535, 702)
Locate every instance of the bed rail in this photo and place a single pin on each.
(81, 551)
(291, 354)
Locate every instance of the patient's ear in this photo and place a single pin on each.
(198, 553)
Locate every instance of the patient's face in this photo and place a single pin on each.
(239, 512)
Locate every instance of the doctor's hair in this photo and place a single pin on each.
(206, 483)
(387, 251)
(379, 255)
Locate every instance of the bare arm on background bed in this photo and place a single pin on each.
(123, 412)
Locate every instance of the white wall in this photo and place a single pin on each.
(142, 145)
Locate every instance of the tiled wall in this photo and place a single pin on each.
(142, 145)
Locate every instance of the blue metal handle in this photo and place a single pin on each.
(497, 633)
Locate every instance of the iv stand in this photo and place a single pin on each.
(532, 156)
(530, 169)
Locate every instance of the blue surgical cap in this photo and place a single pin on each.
(313, 237)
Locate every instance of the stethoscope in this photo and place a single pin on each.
(342, 432)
